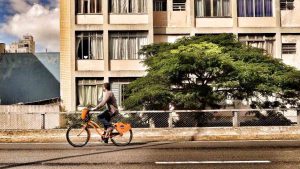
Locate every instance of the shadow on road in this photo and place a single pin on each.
(130, 147)
(112, 145)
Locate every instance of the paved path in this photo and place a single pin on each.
(204, 155)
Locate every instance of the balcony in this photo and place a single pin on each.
(92, 19)
(257, 22)
(214, 22)
(90, 65)
(121, 65)
(128, 19)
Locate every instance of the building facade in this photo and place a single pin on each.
(100, 38)
(25, 45)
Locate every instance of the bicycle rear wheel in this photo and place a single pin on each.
(122, 140)
(78, 135)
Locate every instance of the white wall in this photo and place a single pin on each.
(292, 59)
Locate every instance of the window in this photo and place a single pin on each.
(286, 4)
(89, 45)
(160, 5)
(213, 8)
(128, 6)
(289, 48)
(265, 42)
(88, 6)
(255, 8)
(179, 5)
(126, 45)
(119, 91)
(89, 92)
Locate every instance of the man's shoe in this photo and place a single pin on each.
(104, 139)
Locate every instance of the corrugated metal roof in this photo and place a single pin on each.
(25, 77)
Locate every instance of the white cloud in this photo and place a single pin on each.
(37, 20)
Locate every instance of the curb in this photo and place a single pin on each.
(163, 134)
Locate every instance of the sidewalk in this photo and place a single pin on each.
(164, 134)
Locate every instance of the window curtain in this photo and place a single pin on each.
(259, 8)
(268, 8)
(89, 92)
(125, 46)
(217, 8)
(270, 47)
(241, 8)
(249, 8)
(226, 8)
(96, 45)
(128, 6)
(200, 8)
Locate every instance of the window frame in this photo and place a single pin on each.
(111, 34)
(254, 9)
(286, 5)
(94, 82)
(212, 10)
(81, 34)
(289, 50)
(257, 38)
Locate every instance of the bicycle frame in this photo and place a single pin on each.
(95, 126)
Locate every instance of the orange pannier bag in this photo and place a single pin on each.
(122, 127)
(85, 114)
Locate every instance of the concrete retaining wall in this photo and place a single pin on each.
(175, 134)
(29, 117)
(30, 108)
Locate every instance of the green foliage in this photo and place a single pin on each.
(199, 72)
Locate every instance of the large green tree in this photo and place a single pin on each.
(200, 72)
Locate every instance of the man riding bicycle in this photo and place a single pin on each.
(112, 109)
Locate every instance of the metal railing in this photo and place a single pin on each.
(160, 119)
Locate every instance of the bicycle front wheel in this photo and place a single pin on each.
(122, 140)
(78, 135)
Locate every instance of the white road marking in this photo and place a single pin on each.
(213, 162)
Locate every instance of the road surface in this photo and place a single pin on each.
(204, 155)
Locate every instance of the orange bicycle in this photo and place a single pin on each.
(78, 135)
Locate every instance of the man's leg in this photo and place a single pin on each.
(104, 118)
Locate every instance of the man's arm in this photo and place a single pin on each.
(103, 102)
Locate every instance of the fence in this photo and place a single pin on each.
(161, 119)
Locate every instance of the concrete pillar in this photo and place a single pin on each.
(170, 120)
(169, 10)
(234, 15)
(277, 12)
(105, 4)
(192, 17)
(298, 117)
(150, 24)
(278, 46)
(235, 119)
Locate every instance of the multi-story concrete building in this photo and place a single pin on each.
(2, 48)
(100, 38)
(25, 45)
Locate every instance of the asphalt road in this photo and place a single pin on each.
(204, 155)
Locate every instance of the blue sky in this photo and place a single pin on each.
(19, 17)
